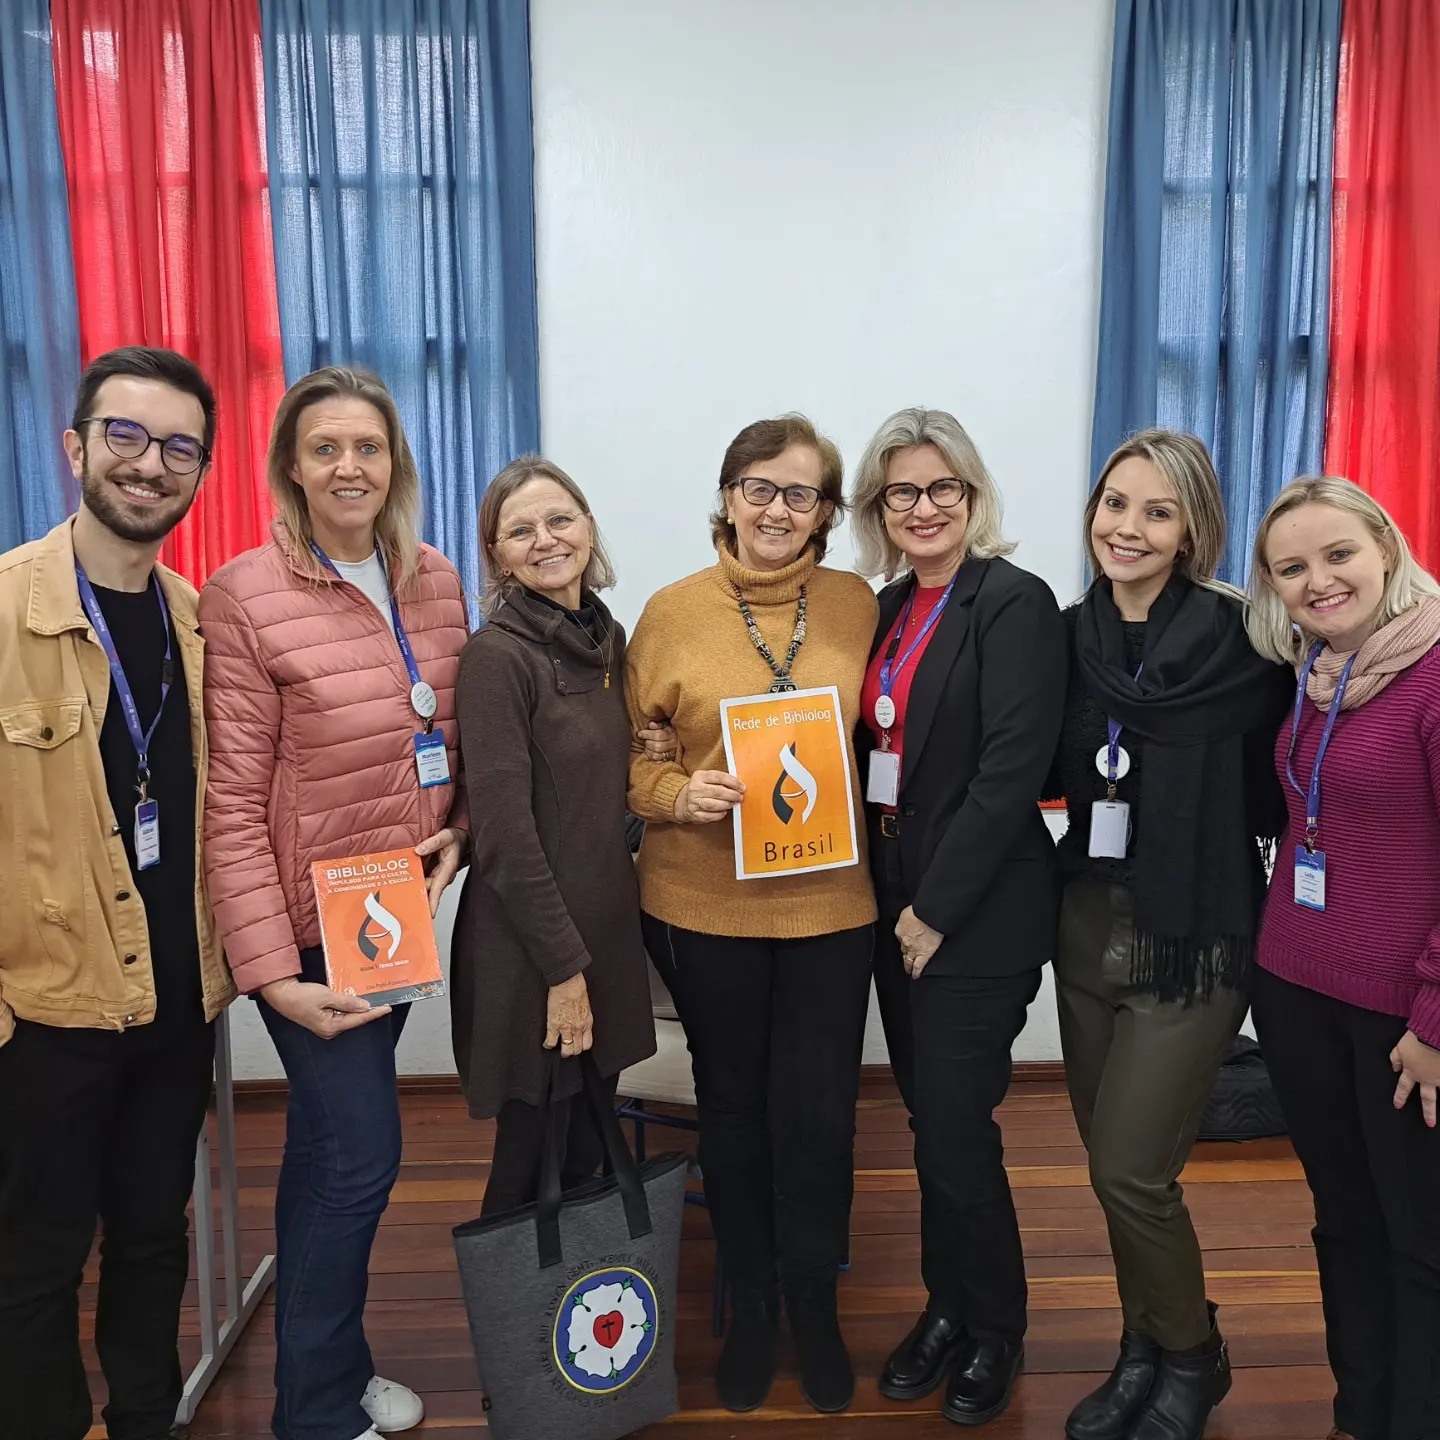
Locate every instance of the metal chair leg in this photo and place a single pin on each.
(639, 1105)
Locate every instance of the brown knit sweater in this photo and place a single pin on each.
(691, 650)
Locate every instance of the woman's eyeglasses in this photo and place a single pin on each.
(557, 525)
(182, 454)
(946, 494)
(802, 499)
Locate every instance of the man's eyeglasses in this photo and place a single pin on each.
(182, 454)
(557, 525)
(802, 499)
(946, 494)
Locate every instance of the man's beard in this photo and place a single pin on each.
(142, 526)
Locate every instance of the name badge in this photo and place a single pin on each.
(1109, 829)
(1309, 878)
(147, 834)
(882, 784)
(431, 762)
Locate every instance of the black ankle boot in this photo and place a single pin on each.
(922, 1359)
(747, 1359)
(827, 1379)
(1106, 1413)
(1189, 1384)
(982, 1380)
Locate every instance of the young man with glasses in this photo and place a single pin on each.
(110, 971)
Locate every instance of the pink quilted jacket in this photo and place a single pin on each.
(307, 704)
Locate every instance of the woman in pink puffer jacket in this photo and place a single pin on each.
(329, 652)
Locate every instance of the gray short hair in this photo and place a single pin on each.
(875, 552)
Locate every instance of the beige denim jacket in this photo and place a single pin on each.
(74, 944)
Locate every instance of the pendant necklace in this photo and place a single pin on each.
(782, 681)
(604, 650)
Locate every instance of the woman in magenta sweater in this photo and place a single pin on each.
(1347, 992)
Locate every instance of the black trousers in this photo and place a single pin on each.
(91, 1130)
(520, 1145)
(775, 1029)
(950, 1038)
(1374, 1173)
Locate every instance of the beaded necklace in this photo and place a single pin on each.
(782, 681)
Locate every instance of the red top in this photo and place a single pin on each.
(925, 602)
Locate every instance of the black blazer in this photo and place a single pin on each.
(981, 728)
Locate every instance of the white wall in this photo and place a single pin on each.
(836, 206)
(748, 206)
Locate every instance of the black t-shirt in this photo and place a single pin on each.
(167, 888)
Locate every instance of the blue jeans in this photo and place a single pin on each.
(342, 1154)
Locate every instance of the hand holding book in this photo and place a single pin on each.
(321, 1010)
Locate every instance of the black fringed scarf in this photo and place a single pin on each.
(1201, 691)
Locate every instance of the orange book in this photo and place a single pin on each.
(376, 928)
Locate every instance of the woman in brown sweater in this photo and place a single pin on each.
(547, 941)
(771, 977)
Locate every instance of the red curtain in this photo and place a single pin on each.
(161, 114)
(1384, 402)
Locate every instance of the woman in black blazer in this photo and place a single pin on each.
(961, 706)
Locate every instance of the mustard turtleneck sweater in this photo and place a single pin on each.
(691, 649)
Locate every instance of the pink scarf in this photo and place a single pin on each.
(1393, 648)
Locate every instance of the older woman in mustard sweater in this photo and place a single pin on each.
(771, 977)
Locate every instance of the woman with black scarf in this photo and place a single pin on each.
(1164, 761)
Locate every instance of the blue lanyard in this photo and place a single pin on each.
(1112, 754)
(1312, 797)
(406, 654)
(139, 738)
(890, 668)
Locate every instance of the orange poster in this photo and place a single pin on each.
(798, 813)
(376, 928)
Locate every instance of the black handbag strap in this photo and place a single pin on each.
(617, 1152)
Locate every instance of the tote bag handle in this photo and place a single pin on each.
(622, 1162)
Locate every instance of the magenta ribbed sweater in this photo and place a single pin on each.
(1377, 944)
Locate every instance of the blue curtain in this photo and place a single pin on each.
(402, 201)
(39, 319)
(1215, 299)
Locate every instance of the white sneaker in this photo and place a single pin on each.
(391, 1406)
(371, 1434)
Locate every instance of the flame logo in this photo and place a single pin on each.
(809, 788)
(377, 924)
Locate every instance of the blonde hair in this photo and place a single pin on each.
(876, 553)
(1185, 463)
(599, 573)
(1272, 632)
(397, 526)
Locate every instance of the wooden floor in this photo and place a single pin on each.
(1249, 1203)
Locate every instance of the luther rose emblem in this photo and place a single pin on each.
(605, 1329)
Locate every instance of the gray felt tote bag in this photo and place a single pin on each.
(572, 1299)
